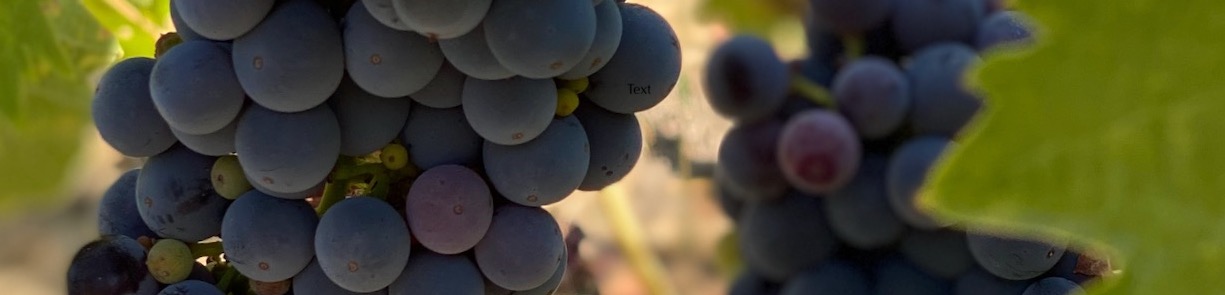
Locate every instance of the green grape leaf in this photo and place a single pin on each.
(758, 17)
(136, 24)
(1110, 132)
(50, 51)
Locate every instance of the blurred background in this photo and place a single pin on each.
(56, 166)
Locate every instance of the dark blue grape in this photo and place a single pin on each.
(1067, 268)
(385, 12)
(908, 168)
(941, 102)
(442, 19)
(978, 281)
(117, 212)
(470, 54)
(312, 281)
(315, 191)
(385, 61)
(510, 111)
(362, 244)
(818, 151)
(616, 144)
(746, 80)
(542, 171)
(941, 253)
(521, 249)
(191, 287)
(293, 60)
(445, 91)
(647, 42)
(268, 238)
(897, 276)
(919, 23)
(110, 265)
(549, 286)
(748, 161)
(185, 32)
(1054, 286)
(874, 95)
(433, 273)
(194, 88)
(223, 19)
(449, 209)
(749, 283)
(834, 277)
(287, 152)
(218, 143)
(124, 112)
(780, 238)
(439, 137)
(1013, 258)
(850, 17)
(607, 39)
(175, 196)
(1004, 27)
(367, 122)
(859, 213)
(731, 204)
(539, 38)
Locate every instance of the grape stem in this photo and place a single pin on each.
(628, 232)
(227, 279)
(333, 193)
(812, 91)
(206, 249)
(854, 45)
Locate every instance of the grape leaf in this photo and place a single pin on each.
(136, 24)
(1109, 132)
(49, 50)
(757, 17)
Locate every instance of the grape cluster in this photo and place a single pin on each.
(822, 165)
(375, 146)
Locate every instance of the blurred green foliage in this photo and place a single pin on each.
(758, 17)
(52, 53)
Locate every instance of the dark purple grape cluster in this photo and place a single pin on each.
(368, 147)
(821, 168)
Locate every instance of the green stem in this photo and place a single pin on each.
(333, 193)
(206, 249)
(227, 279)
(616, 206)
(380, 186)
(812, 91)
(854, 46)
(352, 171)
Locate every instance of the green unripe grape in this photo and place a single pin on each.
(394, 156)
(170, 261)
(228, 178)
(578, 85)
(567, 102)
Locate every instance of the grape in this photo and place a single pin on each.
(647, 42)
(270, 288)
(825, 56)
(110, 265)
(1004, 27)
(200, 272)
(385, 61)
(394, 156)
(859, 213)
(874, 96)
(433, 273)
(550, 286)
(1054, 286)
(607, 39)
(194, 88)
(942, 253)
(615, 141)
(218, 143)
(919, 23)
(907, 171)
(449, 208)
(223, 19)
(175, 197)
(442, 19)
(117, 212)
(898, 276)
(1012, 258)
(1067, 268)
(315, 191)
(521, 248)
(268, 238)
(745, 79)
(384, 11)
(228, 178)
(441, 136)
(780, 238)
(312, 281)
(191, 287)
(942, 104)
(567, 102)
(185, 32)
(511, 111)
(818, 151)
(731, 204)
(850, 17)
(748, 283)
(170, 261)
(124, 113)
(748, 160)
(978, 281)
(834, 277)
(293, 60)
(367, 122)
(578, 85)
(445, 91)
(362, 244)
(539, 38)
(542, 171)
(287, 152)
(470, 54)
